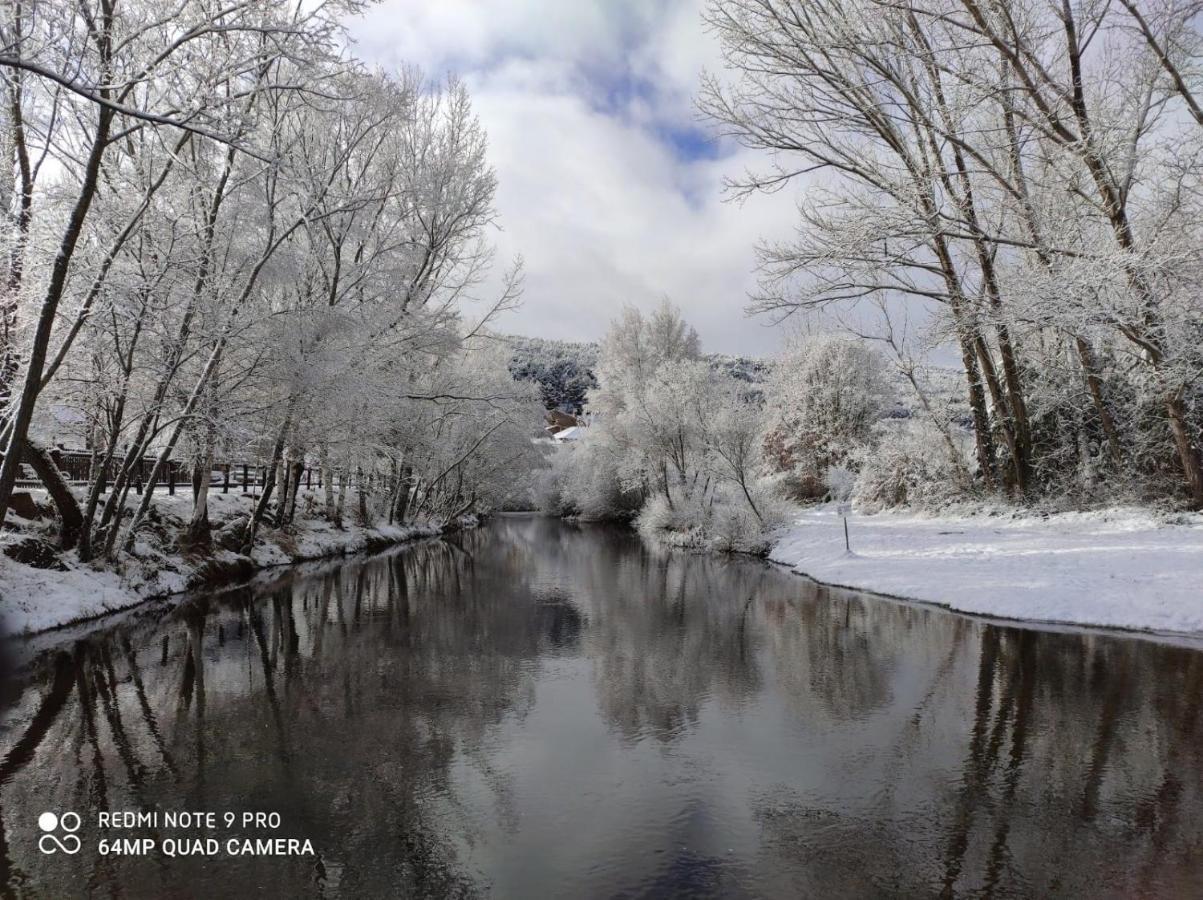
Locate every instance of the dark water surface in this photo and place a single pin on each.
(540, 710)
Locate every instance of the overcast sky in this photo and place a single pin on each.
(610, 187)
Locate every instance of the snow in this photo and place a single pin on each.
(38, 599)
(34, 599)
(1119, 568)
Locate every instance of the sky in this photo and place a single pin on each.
(610, 185)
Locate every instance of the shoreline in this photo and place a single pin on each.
(1115, 570)
(1189, 639)
(37, 601)
(1150, 597)
(1060, 571)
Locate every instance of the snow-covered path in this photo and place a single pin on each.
(1120, 568)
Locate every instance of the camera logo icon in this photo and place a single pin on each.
(50, 842)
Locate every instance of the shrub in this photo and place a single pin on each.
(719, 519)
(583, 480)
(909, 466)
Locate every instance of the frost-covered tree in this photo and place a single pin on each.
(824, 397)
(672, 439)
(250, 249)
(1026, 176)
(113, 82)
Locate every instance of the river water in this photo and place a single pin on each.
(536, 709)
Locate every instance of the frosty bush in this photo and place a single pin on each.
(583, 480)
(909, 466)
(721, 519)
(734, 529)
(840, 480)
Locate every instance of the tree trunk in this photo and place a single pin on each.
(743, 483)
(342, 497)
(60, 492)
(283, 481)
(983, 437)
(1006, 419)
(269, 483)
(298, 469)
(403, 494)
(364, 517)
(100, 478)
(327, 481)
(31, 387)
(1095, 385)
(1188, 447)
(199, 530)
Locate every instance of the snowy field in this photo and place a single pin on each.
(1119, 568)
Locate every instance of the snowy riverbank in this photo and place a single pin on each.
(1119, 568)
(34, 599)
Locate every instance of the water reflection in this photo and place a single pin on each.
(539, 709)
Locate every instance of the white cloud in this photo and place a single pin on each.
(580, 100)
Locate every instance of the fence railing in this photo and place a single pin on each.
(76, 465)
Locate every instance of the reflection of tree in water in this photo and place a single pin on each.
(559, 621)
(851, 662)
(1080, 755)
(838, 653)
(362, 702)
(665, 627)
(341, 702)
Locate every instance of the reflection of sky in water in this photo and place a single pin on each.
(537, 709)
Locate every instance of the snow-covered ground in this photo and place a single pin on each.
(35, 599)
(1119, 568)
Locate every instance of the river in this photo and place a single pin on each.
(540, 709)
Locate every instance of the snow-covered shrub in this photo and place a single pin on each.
(735, 529)
(720, 518)
(546, 493)
(659, 517)
(840, 482)
(583, 480)
(909, 465)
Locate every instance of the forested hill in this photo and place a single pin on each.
(565, 370)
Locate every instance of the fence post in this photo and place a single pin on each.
(171, 478)
(225, 479)
(244, 476)
(308, 478)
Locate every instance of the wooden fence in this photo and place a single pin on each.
(76, 465)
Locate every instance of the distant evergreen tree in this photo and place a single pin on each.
(563, 370)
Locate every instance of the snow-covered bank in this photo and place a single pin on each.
(1119, 568)
(34, 599)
